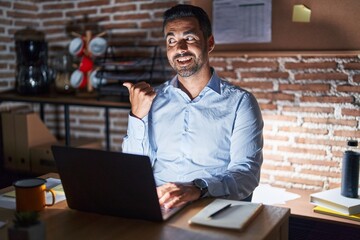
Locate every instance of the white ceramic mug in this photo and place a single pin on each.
(97, 46)
(78, 79)
(76, 46)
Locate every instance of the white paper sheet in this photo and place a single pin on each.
(242, 21)
(267, 194)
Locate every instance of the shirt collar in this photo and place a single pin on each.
(213, 84)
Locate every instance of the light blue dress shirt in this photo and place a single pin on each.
(217, 137)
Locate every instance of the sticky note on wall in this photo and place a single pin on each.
(301, 13)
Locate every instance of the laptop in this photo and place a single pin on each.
(109, 183)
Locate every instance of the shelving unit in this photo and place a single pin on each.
(131, 64)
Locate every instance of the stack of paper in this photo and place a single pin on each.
(331, 202)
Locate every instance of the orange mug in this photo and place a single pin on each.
(30, 195)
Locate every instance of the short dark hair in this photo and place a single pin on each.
(185, 10)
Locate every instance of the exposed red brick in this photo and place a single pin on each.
(334, 185)
(268, 166)
(305, 87)
(317, 131)
(116, 9)
(5, 4)
(321, 173)
(338, 154)
(151, 24)
(7, 74)
(280, 118)
(80, 13)
(327, 99)
(347, 133)
(50, 15)
(350, 112)
(275, 96)
(157, 5)
(24, 6)
(227, 74)
(58, 5)
(125, 1)
(331, 121)
(132, 16)
(300, 181)
(302, 150)
(21, 15)
(305, 161)
(312, 65)
(316, 141)
(321, 76)
(7, 56)
(352, 65)
(274, 157)
(238, 64)
(86, 130)
(120, 25)
(220, 64)
(264, 106)
(21, 23)
(357, 78)
(4, 21)
(91, 122)
(267, 75)
(93, 3)
(308, 109)
(276, 137)
(348, 88)
(61, 22)
(254, 85)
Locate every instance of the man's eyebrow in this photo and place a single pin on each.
(169, 34)
(191, 31)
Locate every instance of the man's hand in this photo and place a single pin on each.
(176, 194)
(141, 97)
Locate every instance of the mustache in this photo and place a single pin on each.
(187, 54)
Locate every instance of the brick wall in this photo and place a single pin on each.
(310, 101)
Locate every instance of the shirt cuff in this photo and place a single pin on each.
(137, 127)
(216, 188)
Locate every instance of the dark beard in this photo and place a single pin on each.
(189, 70)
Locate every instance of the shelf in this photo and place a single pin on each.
(86, 100)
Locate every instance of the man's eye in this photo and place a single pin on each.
(190, 38)
(171, 41)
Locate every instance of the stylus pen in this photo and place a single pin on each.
(220, 211)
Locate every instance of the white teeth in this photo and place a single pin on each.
(184, 59)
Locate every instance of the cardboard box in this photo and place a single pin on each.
(42, 159)
(8, 140)
(30, 131)
(21, 131)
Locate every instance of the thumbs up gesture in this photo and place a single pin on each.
(141, 96)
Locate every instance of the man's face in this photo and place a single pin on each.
(187, 50)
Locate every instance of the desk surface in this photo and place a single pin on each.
(302, 208)
(64, 223)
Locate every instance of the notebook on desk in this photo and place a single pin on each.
(110, 183)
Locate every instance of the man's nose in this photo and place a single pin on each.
(182, 45)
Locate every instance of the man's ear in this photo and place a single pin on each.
(211, 44)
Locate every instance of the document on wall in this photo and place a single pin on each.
(242, 21)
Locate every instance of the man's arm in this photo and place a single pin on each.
(243, 173)
(141, 96)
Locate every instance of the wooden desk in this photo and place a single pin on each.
(64, 223)
(302, 208)
(304, 223)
